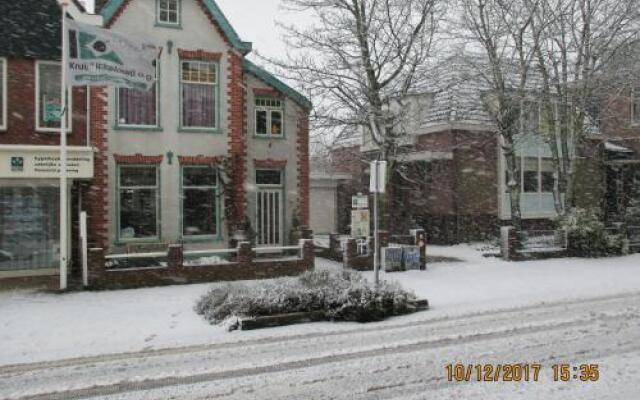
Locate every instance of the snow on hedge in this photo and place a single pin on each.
(341, 295)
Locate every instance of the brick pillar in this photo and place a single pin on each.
(237, 127)
(350, 252)
(95, 264)
(306, 233)
(175, 257)
(95, 199)
(303, 166)
(245, 254)
(334, 242)
(308, 254)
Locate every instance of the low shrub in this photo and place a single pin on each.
(345, 296)
(587, 235)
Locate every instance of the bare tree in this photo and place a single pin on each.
(359, 58)
(503, 31)
(579, 41)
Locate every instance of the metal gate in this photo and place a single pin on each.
(269, 217)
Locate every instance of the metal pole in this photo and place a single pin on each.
(63, 154)
(83, 244)
(376, 261)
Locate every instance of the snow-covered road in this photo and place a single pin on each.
(402, 359)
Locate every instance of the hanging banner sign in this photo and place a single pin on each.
(101, 57)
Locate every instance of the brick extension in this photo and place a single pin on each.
(199, 160)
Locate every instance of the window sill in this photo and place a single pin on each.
(138, 240)
(51, 131)
(202, 238)
(167, 25)
(199, 130)
(138, 128)
(270, 137)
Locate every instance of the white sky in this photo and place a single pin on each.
(255, 21)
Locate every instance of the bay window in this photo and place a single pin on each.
(269, 120)
(138, 202)
(199, 201)
(199, 92)
(48, 97)
(138, 108)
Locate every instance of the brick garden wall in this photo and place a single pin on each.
(245, 267)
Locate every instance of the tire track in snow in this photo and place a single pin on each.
(469, 317)
(148, 384)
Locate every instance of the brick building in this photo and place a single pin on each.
(219, 144)
(451, 174)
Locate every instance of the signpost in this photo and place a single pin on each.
(377, 182)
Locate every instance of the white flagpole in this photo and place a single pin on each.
(63, 153)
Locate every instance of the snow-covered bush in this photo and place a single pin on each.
(588, 237)
(338, 295)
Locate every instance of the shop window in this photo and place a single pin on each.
(48, 97)
(199, 201)
(168, 12)
(3, 93)
(198, 88)
(138, 202)
(138, 108)
(269, 121)
(29, 223)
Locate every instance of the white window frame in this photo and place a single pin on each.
(214, 86)
(5, 97)
(178, 13)
(635, 99)
(37, 100)
(268, 110)
(134, 126)
(217, 205)
(119, 189)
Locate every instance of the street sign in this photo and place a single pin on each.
(378, 176)
(359, 201)
(360, 223)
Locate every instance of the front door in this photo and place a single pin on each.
(269, 208)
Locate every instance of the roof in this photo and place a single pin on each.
(31, 29)
(111, 7)
(277, 84)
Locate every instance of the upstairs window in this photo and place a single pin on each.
(49, 98)
(198, 90)
(168, 12)
(3, 93)
(635, 106)
(138, 108)
(269, 121)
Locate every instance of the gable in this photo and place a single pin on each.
(276, 83)
(112, 9)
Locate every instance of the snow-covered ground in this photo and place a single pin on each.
(46, 326)
(148, 343)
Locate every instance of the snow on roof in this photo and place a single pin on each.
(617, 148)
